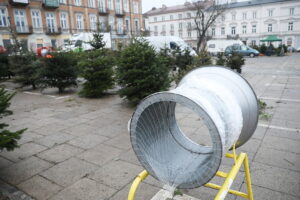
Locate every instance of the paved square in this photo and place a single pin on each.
(77, 148)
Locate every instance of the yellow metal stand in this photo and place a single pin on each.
(240, 159)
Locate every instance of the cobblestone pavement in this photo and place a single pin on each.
(78, 148)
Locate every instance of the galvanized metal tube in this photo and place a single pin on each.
(228, 107)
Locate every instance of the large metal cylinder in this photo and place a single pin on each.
(228, 107)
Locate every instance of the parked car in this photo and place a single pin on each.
(298, 49)
(218, 46)
(241, 49)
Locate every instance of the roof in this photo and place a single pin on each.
(184, 7)
(254, 2)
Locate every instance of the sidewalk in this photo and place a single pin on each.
(78, 148)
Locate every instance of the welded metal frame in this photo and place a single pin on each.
(224, 189)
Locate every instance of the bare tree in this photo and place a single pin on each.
(206, 13)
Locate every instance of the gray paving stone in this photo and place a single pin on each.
(282, 159)
(54, 139)
(100, 154)
(274, 178)
(129, 156)
(251, 145)
(4, 162)
(29, 136)
(144, 192)
(88, 141)
(69, 171)
(60, 153)
(120, 141)
(293, 135)
(26, 150)
(259, 133)
(282, 144)
(116, 174)
(39, 188)
(18, 172)
(85, 189)
(50, 129)
(267, 194)
(81, 130)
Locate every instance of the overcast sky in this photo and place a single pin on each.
(148, 4)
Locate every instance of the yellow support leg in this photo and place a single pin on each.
(135, 184)
(224, 189)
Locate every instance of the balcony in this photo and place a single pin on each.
(19, 2)
(119, 13)
(53, 31)
(103, 10)
(23, 30)
(51, 3)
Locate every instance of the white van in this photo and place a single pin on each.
(171, 42)
(217, 46)
(81, 40)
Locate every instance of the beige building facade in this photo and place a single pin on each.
(50, 23)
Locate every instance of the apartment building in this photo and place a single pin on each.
(249, 21)
(40, 23)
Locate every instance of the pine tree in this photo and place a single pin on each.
(97, 42)
(141, 72)
(8, 139)
(4, 66)
(236, 61)
(220, 59)
(25, 68)
(97, 70)
(59, 71)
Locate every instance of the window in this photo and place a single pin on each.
(244, 16)
(136, 24)
(253, 42)
(233, 16)
(155, 28)
(270, 13)
(172, 27)
(155, 19)
(91, 3)
(118, 7)
(213, 31)
(51, 22)
(125, 5)
(102, 23)
(136, 7)
(110, 5)
(269, 27)
(223, 18)
(20, 20)
(188, 15)
(79, 22)
(127, 24)
(102, 7)
(163, 28)
(171, 17)
(163, 18)
(62, 1)
(244, 30)
(111, 22)
(93, 22)
(180, 34)
(189, 25)
(77, 2)
(64, 20)
(253, 28)
(180, 26)
(3, 17)
(254, 14)
(189, 34)
(36, 19)
(222, 30)
(120, 25)
(290, 26)
(233, 30)
(179, 16)
(292, 11)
